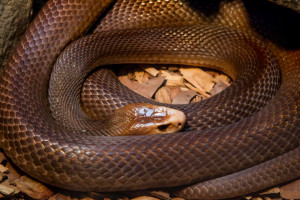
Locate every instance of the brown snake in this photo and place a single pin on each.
(243, 140)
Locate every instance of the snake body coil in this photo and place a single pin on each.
(255, 132)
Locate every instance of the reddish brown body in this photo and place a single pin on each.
(233, 149)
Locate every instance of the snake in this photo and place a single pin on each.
(242, 140)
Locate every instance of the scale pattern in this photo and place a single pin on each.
(258, 142)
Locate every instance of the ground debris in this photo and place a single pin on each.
(177, 84)
(291, 190)
(32, 188)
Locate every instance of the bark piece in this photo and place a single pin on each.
(291, 191)
(184, 97)
(32, 188)
(198, 78)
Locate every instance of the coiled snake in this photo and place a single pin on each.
(242, 140)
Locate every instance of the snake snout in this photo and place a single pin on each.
(147, 119)
(173, 121)
(153, 119)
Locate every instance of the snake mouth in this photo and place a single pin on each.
(168, 128)
(173, 122)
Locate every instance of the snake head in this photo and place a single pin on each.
(148, 119)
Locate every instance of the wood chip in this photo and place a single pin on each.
(2, 157)
(7, 189)
(145, 198)
(13, 173)
(184, 97)
(163, 96)
(173, 91)
(59, 196)
(218, 87)
(3, 177)
(32, 188)
(140, 76)
(151, 70)
(172, 79)
(198, 78)
(257, 198)
(199, 90)
(198, 98)
(173, 68)
(222, 77)
(3, 169)
(146, 89)
(160, 194)
(291, 191)
(274, 190)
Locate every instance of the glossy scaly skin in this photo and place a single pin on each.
(68, 159)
